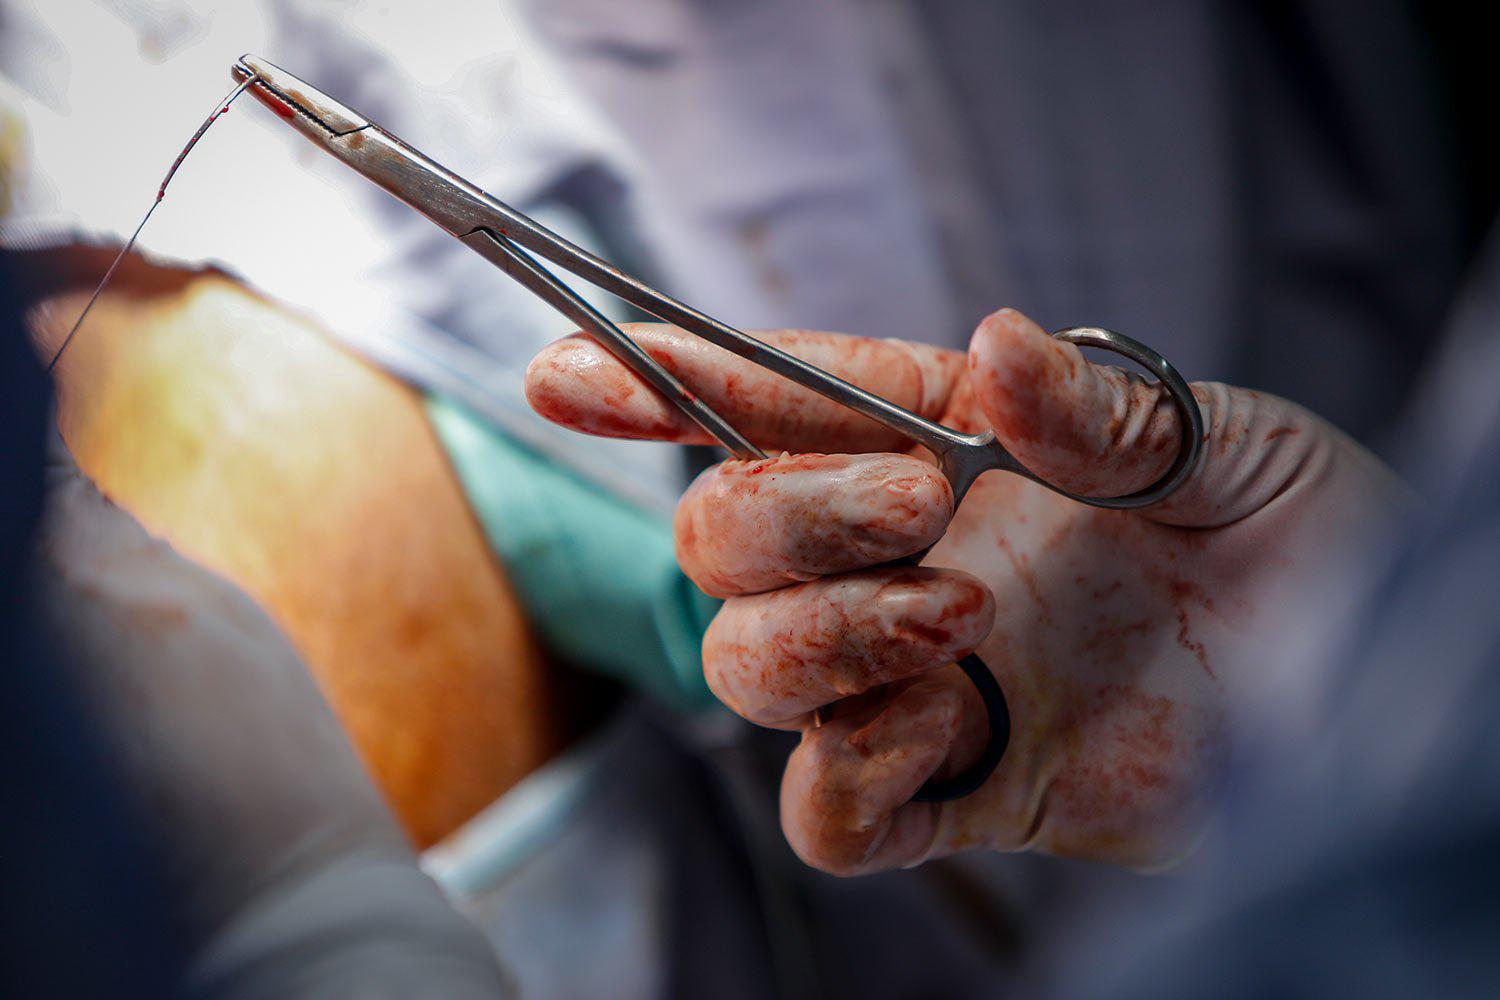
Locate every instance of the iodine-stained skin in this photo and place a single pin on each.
(1114, 634)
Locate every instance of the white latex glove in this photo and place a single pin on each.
(294, 878)
(1113, 634)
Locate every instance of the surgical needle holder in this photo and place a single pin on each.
(509, 239)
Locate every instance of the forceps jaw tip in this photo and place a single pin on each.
(284, 93)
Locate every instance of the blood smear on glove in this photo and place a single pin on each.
(220, 108)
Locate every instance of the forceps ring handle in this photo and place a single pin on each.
(977, 773)
(1190, 418)
(962, 476)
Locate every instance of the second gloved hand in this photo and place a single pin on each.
(1110, 632)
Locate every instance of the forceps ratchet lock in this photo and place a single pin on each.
(509, 239)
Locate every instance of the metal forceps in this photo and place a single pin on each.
(508, 239)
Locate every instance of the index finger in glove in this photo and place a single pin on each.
(748, 527)
(577, 383)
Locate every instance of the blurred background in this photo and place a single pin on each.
(470, 643)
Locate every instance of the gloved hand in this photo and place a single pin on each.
(1113, 634)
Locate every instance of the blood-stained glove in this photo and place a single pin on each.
(1115, 635)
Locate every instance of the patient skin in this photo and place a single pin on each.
(241, 434)
(1113, 634)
